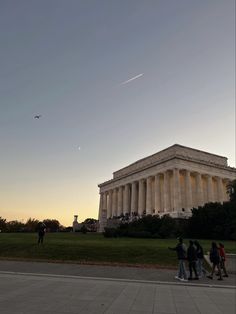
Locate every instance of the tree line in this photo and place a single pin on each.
(31, 225)
(52, 225)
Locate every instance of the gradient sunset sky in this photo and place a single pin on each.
(70, 61)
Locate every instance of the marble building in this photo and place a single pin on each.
(172, 181)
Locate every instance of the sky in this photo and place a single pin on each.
(114, 81)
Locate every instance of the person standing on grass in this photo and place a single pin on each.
(200, 257)
(222, 259)
(41, 232)
(215, 260)
(192, 259)
(181, 255)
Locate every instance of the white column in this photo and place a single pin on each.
(209, 189)
(220, 190)
(188, 191)
(114, 203)
(104, 205)
(157, 194)
(134, 197)
(176, 190)
(199, 188)
(104, 201)
(141, 198)
(120, 201)
(102, 219)
(166, 192)
(109, 205)
(100, 206)
(149, 196)
(126, 199)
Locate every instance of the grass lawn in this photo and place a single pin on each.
(94, 248)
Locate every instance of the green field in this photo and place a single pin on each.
(94, 248)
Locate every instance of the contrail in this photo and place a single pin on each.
(132, 79)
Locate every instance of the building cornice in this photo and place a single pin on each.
(175, 150)
(188, 159)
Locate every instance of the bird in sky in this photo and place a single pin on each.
(37, 116)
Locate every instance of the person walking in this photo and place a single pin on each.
(41, 232)
(200, 257)
(222, 259)
(192, 259)
(180, 249)
(215, 260)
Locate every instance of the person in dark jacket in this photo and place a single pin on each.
(200, 257)
(192, 259)
(181, 255)
(41, 232)
(215, 260)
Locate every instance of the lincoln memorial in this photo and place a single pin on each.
(172, 181)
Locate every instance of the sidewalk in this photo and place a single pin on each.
(61, 294)
(160, 276)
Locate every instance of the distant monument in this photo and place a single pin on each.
(76, 225)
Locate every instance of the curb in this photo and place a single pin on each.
(173, 283)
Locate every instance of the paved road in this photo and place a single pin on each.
(37, 288)
(134, 273)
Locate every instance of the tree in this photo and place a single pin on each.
(3, 224)
(31, 225)
(213, 221)
(15, 226)
(52, 225)
(231, 191)
(90, 224)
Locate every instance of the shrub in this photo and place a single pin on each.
(147, 227)
(110, 232)
(140, 234)
(211, 221)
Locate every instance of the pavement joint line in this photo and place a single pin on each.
(157, 282)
